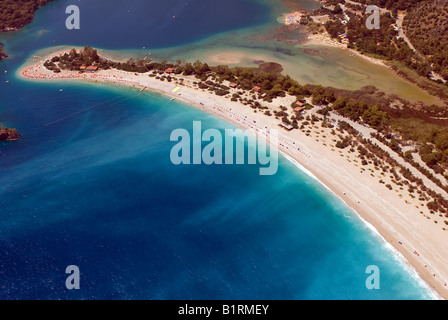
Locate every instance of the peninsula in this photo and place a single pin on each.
(365, 152)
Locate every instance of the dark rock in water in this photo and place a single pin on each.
(9, 134)
(312, 52)
(270, 67)
(2, 54)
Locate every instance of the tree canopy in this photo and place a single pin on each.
(14, 14)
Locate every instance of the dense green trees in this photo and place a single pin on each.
(432, 137)
(334, 28)
(14, 14)
(426, 25)
(359, 110)
(393, 4)
(322, 95)
(75, 60)
(374, 117)
(383, 42)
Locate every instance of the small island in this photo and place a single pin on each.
(7, 134)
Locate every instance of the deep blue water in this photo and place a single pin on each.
(146, 23)
(98, 189)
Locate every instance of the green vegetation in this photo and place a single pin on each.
(334, 28)
(370, 152)
(359, 110)
(393, 5)
(432, 137)
(79, 60)
(426, 25)
(322, 96)
(14, 14)
(382, 43)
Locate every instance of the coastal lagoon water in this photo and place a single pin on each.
(91, 184)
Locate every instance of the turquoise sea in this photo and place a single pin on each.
(98, 190)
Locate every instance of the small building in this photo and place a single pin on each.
(256, 89)
(263, 95)
(169, 70)
(286, 126)
(92, 69)
(233, 85)
(82, 67)
(298, 109)
(300, 104)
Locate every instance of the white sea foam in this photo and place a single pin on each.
(387, 246)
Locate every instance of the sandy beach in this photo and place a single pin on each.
(324, 40)
(396, 215)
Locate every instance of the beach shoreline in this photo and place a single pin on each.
(320, 40)
(370, 201)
